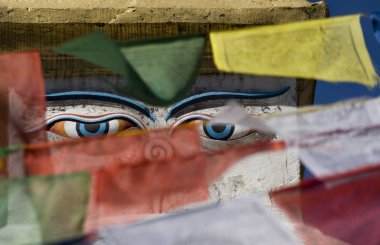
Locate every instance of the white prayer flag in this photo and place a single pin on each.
(241, 221)
(330, 140)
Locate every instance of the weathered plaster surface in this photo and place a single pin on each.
(159, 11)
(67, 4)
(89, 4)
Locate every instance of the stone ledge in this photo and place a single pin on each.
(250, 12)
(119, 4)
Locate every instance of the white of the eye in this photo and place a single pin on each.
(113, 126)
(239, 132)
(70, 129)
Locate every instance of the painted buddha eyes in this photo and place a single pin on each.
(75, 127)
(221, 132)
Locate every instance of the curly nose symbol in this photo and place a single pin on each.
(158, 150)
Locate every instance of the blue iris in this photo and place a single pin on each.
(92, 129)
(219, 131)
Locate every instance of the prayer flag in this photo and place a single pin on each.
(158, 71)
(142, 174)
(241, 221)
(330, 49)
(331, 139)
(344, 207)
(3, 205)
(22, 105)
(309, 120)
(42, 210)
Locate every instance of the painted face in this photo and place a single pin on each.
(89, 107)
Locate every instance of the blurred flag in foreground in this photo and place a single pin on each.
(157, 71)
(344, 207)
(22, 105)
(142, 174)
(330, 49)
(42, 210)
(331, 139)
(241, 221)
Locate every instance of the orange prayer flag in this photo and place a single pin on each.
(141, 174)
(22, 104)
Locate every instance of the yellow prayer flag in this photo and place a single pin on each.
(329, 49)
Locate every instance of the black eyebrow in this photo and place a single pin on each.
(87, 95)
(222, 95)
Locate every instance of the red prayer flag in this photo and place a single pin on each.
(335, 210)
(22, 105)
(142, 174)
